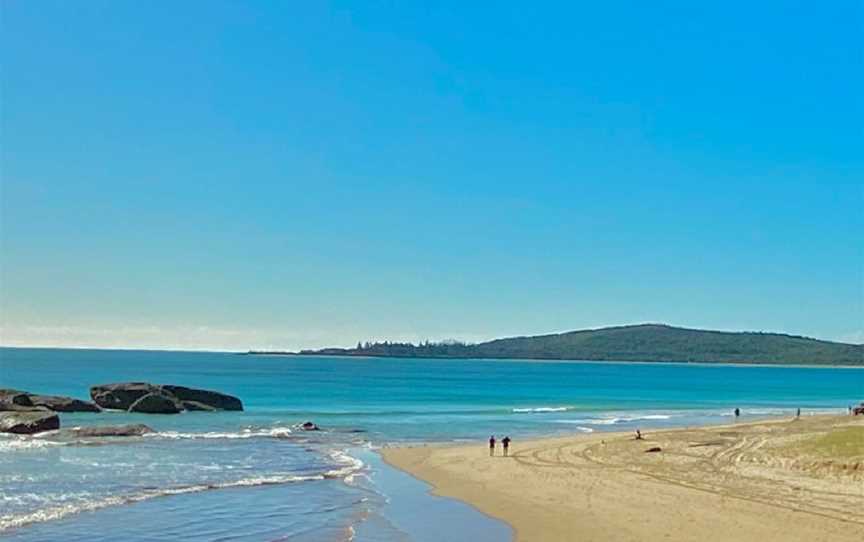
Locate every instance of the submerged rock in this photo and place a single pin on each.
(157, 402)
(124, 395)
(132, 430)
(27, 423)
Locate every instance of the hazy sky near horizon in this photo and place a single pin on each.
(235, 175)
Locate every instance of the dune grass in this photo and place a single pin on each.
(843, 443)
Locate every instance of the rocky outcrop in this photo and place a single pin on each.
(166, 399)
(22, 401)
(27, 423)
(133, 430)
(157, 402)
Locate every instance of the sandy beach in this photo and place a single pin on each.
(789, 480)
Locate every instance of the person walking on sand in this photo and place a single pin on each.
(491, 445)
(798, 414)
(506, 442)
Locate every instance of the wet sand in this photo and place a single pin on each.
(790, 480)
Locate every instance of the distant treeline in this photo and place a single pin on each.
(646, 342)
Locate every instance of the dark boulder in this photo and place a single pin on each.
(157, 402)
(27, 423)
(309, 426)
(214, 399)
(132, 430)
(120, 396)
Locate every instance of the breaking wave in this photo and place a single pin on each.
(273, 432)
(543, 409)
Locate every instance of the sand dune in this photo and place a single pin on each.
(780, 480)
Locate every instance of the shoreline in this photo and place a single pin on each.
(748, 481)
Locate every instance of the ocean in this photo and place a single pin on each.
(254, 475)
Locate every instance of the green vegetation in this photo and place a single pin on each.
(646, 342)
(841, 443)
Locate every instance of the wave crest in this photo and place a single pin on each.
(542, 409)
(273, 432)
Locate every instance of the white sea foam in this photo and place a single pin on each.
(25, 443)
(543, 409)
(350, 466)
(13, 521)
(273, 432)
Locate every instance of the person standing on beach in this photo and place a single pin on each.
(506, 443)
(491, 445)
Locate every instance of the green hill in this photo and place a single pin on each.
(646, 342)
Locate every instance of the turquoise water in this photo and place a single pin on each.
(252, 476)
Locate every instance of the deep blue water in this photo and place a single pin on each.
(252, 476)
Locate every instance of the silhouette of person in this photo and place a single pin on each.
(506, 443)
(491, 445)
(638, 435)
(737, 412)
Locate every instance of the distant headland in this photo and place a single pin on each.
(643, 342)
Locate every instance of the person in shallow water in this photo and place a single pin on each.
(492, 445)
(506, 443)
(737, 412)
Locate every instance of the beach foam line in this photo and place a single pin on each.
(350, 466)
(58, 512)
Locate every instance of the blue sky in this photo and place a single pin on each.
(297, 174)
